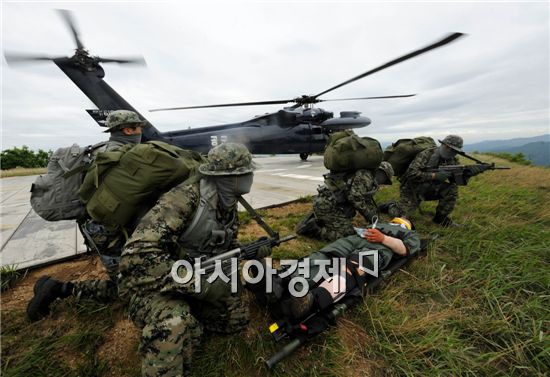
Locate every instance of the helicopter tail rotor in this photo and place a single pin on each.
(68, 18)
(16, 58)
(81, 56)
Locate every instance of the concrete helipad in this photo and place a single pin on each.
(28, 241)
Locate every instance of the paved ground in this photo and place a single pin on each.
(27, 240)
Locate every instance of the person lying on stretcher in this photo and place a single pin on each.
(311, 284)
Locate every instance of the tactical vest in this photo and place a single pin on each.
(434, 160)
(207, 234)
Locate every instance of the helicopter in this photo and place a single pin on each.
(300, 128)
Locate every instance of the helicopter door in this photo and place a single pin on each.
(318, 139)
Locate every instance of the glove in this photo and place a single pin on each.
(264, 251)
(374, 236)
(476, 169)
(213, 292)
(441, 176)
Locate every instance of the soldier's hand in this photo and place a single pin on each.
(476, 169)
(441, 176)
(264, 251)
(213, 291)
(374, 236)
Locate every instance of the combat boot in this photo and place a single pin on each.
(46, 290)
(308, 226)
(444, 221)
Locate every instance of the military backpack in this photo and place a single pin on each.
(401, 153)
(54, 195)
(122, 185)
(348, 152)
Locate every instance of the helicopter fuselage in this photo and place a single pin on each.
(292, 130)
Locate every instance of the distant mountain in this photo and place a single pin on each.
(538, 152)
(504, 145)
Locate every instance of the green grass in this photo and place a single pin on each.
(478, 304)
(9, 276)
(65, 344)
(20, 172)
(518, 158)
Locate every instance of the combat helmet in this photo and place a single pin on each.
(120, 118)
(228, 159)
(454, 142)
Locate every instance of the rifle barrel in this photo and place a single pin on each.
(284, 352)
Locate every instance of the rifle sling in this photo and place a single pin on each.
(258, 218)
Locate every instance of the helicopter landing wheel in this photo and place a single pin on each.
(304, 156)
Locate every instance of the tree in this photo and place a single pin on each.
(24, 157)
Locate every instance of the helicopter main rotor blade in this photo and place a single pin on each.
(358, 98)
(16, 58)
(71, 24)
(442, 42)
(277, 102)
(128, 60)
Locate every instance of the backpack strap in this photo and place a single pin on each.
(88, 152)
(258, 218)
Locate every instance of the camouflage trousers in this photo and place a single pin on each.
(412, 195)
(109, 244)
(333, 221)
(172, 328)
(99, 289)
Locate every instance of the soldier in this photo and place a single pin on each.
(192, 220)
(418, 185)
(340, 198)
(125, 128)
(395, 238)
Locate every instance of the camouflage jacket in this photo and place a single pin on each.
(356, 191)
(151, 251)
(426, 158)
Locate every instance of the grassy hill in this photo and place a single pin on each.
(477, 304)
(538, 152)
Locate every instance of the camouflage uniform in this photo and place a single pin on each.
(418, 185)
(339, 199)
(168, 312)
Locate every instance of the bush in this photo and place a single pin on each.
(24, 158)
(518, 158)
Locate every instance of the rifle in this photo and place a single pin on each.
(462, 173)
(248, 251)
(302, 332)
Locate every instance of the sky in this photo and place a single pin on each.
(492, 84)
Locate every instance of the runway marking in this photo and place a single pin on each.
(268, 170)
(299, 176)
(303, 166)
